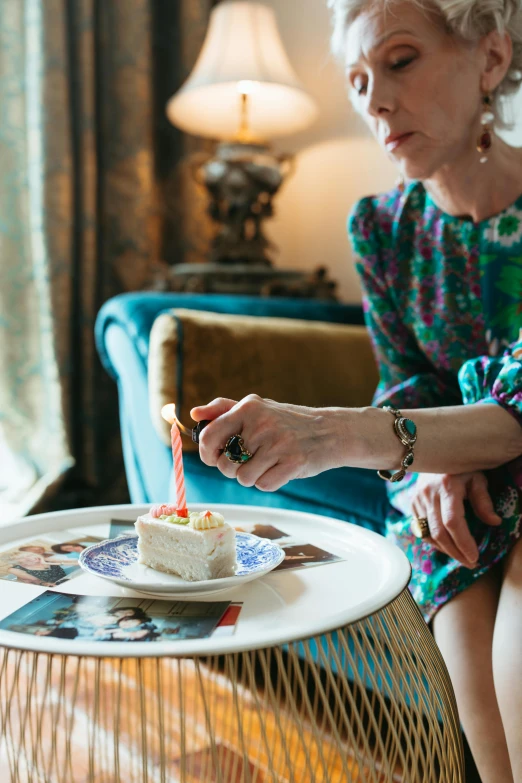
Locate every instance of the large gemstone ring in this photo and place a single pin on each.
(235, 450)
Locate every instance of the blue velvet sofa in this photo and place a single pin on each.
(122, 335)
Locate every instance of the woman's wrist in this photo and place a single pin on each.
(360, 437)
(450, 440)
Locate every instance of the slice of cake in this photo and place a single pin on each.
(195, 547)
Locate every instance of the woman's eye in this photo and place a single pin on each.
(359, 87)
(401, 63)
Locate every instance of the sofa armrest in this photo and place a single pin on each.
(195, 356)
(136, 312)
(148, 462)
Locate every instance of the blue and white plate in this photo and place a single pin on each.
(117, 560)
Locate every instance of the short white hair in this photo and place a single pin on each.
(467, 19)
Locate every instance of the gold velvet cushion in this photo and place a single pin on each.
(195, 356)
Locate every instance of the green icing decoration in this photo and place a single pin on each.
(175, 520)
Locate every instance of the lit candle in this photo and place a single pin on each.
(169, 414)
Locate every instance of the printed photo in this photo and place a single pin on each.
(113, 619)
(263, 531)
(302, 555)
(227, 624)
(46, 561)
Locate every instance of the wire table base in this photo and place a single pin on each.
(369, 702)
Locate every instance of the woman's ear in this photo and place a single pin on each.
(498, 52)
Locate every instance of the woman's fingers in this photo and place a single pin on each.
(214, 409)
(481, 501)
(251, 472)
(212, 440)
(214, 437)
(226, 467)
(274, 479)
(420, 512)
(453, 519)
(439, 536)
(442, 499)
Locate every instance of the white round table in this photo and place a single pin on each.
(330, 675)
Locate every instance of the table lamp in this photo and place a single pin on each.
(242, 92)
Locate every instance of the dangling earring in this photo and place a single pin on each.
(399, 183)
(485, 138)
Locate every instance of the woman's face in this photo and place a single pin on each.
(102, 619)
(129, 622)
(28, 559)
(417, 87)
(120, 613)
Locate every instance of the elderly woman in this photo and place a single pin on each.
(440, 261)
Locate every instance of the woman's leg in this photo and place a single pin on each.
(464, 633)
(507, 656)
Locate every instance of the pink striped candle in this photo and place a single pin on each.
(179, 478)
(168, 412)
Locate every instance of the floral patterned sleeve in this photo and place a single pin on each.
(497, 380)
(407, 377)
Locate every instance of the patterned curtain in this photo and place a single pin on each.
(88, 166)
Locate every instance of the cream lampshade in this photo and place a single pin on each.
(242, 87)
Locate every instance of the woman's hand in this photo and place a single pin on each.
(440, 498)
(286, 441)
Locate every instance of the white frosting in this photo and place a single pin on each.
(205, 520)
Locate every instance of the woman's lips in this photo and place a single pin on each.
(394, 142)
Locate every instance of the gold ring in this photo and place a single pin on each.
(235, 450)
(419, 527)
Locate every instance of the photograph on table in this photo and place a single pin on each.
(45, 561)
(227, 624)
(263, 531)
(114, 619)
(304, 555)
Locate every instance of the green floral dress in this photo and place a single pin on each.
(443, 304)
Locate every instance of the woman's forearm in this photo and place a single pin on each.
(455, 439)
(24, 576)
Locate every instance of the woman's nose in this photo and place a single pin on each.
(379, 99)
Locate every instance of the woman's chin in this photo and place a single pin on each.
(417, 171)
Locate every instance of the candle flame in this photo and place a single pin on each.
(169, 412)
